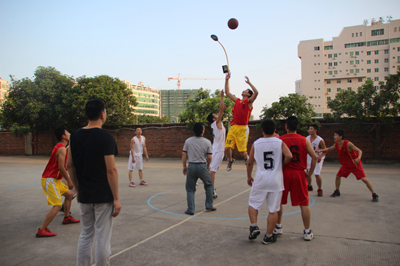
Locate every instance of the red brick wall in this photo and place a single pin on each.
(10, 144)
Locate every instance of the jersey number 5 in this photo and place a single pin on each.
(268, 161)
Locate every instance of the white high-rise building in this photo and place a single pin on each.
(148, 99)
(4, 88)
(369, 51)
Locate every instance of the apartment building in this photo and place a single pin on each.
(368, 51)
(173, 102)
(4, 88)
(147, 97)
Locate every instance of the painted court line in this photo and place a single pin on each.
(169, 228)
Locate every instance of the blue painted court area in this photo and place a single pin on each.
(212, 218)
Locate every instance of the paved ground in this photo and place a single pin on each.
(152, 229)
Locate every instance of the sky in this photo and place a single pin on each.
(150, 41)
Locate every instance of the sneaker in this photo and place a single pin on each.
(336, 193)
(211, 209)
(229, 167)
(44, 232)
(215, 194)
(277, 231)
(131, 184)
(309, 236)
(246, 159)
(143, 183)
(310, 188)
(254, 232)
(70, 220)
(320, 193)
(269, 240)
(375, 198)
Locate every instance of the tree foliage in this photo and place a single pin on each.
(370, 108)
(198, 108)
(148, 119)
(293, 104)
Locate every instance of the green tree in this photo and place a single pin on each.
(198, 108)
(371, 109)
(118, 100)
(293, 104)
(148, 119)
(38, 104)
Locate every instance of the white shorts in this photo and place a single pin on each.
(318, 167)
(137, 165)
(216, 161)
(258, 197)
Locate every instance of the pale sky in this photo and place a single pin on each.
(151, 41)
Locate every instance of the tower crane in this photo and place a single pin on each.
(179, 79)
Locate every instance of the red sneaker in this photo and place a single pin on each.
(44, 232)
(143, 183)
(70, 220)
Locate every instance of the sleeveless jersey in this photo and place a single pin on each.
(346, 158)
(219, 137)
(315, 146)
(297, 145)
(268, 156)
(51, 169)
(241, 112)
(138, 148)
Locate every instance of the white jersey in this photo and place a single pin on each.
(219, 137)
(268, 156)
(138, 147)
(315, 146)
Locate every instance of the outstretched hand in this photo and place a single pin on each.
(246, 79)
(228, 76)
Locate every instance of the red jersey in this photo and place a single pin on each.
(297, 145)
(51, 169)
(346, 158)
(241, 112)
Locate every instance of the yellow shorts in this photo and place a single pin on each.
(238, 135)
(53, 189)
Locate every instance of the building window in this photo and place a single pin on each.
(338, 81)
(348, 80)
(376, 87)
(335, 72)
(334, 55)
(357, 53)
(351, 71)
(352, 35)
(386, 60)
(386, 51)
(376, 79)
(376, 69)
(398, 49)
(329, 55)
(359, 79)
(351, 53)
(328, 82)
(377, 32)
(349, 88)
(377, 52)
(356, 34)
(328, 98)
(357, 62)
(386, 69)
(330, 72)
(328, 89)
(316, 48)
(360, 34)
(369, 53)
(368, 70)
(328, 47)
(335, 63)
(376, 61)
(357, 70)
(330, 64)
(352, 62)
(338, 89)
(368, 61)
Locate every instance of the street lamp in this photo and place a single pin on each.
(225, 69)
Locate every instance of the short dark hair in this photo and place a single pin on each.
(198, 129)
(315, 126)
(210, 118)
(292, 123)
(251, 92)
(94, 108)
(59, 132)
(268, 126)
(340, 132)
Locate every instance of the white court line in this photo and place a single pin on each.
(171, 227)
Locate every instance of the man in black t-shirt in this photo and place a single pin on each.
(92, 169)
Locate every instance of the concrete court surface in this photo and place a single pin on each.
(152, 229)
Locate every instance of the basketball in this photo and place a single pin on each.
(233, 23)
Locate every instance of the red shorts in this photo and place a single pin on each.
(295, 182)
(357, 171)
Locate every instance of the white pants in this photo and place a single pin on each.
(137, 165)
(216, 161)
(258, 197)
(96, 222)
(318, 167)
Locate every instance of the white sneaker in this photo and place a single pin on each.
(309, 236)
(131, 184)
(277, 231)
(215, 194)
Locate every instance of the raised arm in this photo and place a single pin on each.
(221, 110)
(255, 92)
(227, 92)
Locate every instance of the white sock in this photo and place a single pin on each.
(279, 225)
(268, 235)
(253, 225)
(307, 231)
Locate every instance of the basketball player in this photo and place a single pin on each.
(317, 143)
(294, 177)
(268, 182)
(53, 187)
(241, 111)
(138, 146)
(218, 141)
(350, 159)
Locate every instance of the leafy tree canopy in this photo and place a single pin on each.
(293, 104)
(148, 119)
(198, 108)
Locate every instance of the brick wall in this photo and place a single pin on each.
(166, 140)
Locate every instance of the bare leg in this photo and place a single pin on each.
(309, 180)
(337, 182)
(67, 202)
(306, 216)
(130, 175)
(244, 154)
(141, 175)
(50, 216)
(280, 212)
(271, 222)
(228, 153)
(369, 184)
(253, 213)
(212, 174)
(319, 181)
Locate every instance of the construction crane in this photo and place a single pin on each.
(179, 79)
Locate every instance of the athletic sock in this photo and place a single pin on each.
(253, 225)
(307, 231)
(268, 235)
(279, 225)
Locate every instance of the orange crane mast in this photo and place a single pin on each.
(179, 79)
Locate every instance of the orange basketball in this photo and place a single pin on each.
(233, 23)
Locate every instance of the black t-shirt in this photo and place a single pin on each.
(88, 147)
